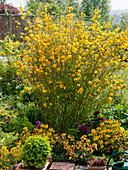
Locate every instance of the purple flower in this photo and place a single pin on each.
(76, 124)
(91, 123)
(7, 121)
(38, 123)
(101, 119)
(32, 131)
(83, 128)
(96, 113)
(20, 79)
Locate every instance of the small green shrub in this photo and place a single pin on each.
(35, 151)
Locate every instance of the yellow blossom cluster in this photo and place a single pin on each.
(44, 131)
(77, 150)
(71, 65)
(109, 136)
(9, 157)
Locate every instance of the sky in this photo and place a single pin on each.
(115, 4)
(119, 4)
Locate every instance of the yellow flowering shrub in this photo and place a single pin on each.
(71, 65)
(110, 137)
(8, 158)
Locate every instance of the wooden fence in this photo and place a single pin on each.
(8, 25)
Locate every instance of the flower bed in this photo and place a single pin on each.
(60, 76)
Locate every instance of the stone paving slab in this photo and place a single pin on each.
(85, 168)
(81, 168)
(68, 166)
(62, 166)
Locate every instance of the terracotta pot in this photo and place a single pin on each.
(20, 165)
(96, 167)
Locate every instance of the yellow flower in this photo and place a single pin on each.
(106, 64)
(2, 53)
(54, 65)
(45, 105)
(26, 28)
(111, 94)
(90, 82)
(97, 80)
(17, 73)
(95, 72)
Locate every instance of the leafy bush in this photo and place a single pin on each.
(12, 120)
(9, 81)
(35, 152)
(118, 111)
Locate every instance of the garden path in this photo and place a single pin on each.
(68, 166)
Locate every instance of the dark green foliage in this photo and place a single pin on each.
(117, 110)
(26, 96)
(35, 151)
(17, 124)
(31, 111)
(11, 88)
(59, 153)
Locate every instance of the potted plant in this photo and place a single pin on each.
(35, 153)
(97, 163)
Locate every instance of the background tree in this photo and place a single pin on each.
(88, 6)
(57, 7)
(2, 1)
(124, 22)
